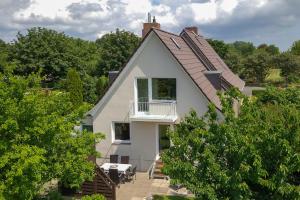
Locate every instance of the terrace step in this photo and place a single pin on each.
(158, 174)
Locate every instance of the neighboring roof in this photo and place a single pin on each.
(196, 57)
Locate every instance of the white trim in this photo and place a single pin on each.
(113, 140)
(120, 77)
(156, 142)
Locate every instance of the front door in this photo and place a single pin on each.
(163, 138)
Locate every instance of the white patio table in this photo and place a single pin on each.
(122, 168)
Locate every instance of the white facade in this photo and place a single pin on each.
(152, 60)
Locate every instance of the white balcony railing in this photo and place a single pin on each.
(152, 111)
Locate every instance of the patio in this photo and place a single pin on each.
(144, 187)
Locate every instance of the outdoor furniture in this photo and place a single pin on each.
(132, 174)
(115, 176)
(113, 158)
(124, 159)
(122, 168)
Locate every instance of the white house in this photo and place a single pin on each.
(166, 77)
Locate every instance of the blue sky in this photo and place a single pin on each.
(259, 21)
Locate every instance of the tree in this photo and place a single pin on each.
(234, 60)
(289, 65)
(52, 53)
(115, 50)
(74, 87)
(257, 66)
(219, 46)
(102, 84)
(296, 48)
(253, 156)
(271, 49)
(89, 88)
(38, 142)
(245, 48)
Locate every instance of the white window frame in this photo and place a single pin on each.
(150, 91)
(114, 141)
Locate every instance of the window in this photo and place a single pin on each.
(121, 131)
(164, 89)
(87, 127)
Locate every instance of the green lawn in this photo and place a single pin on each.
(160, 197)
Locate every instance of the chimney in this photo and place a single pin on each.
(148, 25)
(192, 29)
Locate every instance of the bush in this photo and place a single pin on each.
(94, 197)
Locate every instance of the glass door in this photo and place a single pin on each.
(142, 95)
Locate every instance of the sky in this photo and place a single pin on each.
(258, 21)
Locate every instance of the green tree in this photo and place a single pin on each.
(253, 156)
(295, 49)
(38, 142)
(257, 66)
(74, 87)
(116, 49)
(234, 60)
(102, 84)
(271, 49)
(289, 65)
(52, 53)
(219, 46)
(89, 88)
(244, 48)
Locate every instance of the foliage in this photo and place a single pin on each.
(116, 49)
(74, 87)
(274, 76)
(160, 197)
(220, 47)
(254, 156)
(235, 61)
(271, 49)
(295, 49)
(102, 84)
(38, 142)
(94, 197)
(89, 88)
(244, 48)
(257, 66)
(288, 63)
(52, 53)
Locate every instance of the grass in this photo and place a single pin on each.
(160, 197)
(274, 76)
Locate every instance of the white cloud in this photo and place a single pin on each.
(255, 20)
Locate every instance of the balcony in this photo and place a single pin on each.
(157, 111)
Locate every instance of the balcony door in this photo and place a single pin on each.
(142, 95)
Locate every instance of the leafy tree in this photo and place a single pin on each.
(102, 84)
(234, 60)
(74, 87)
(253, 156)
(52, 53)
(94, 197)
(219, 46)
(89, 88)
(245, 48)
(271, 49)
(38, 142)
(257, 66)
(116, 49)
(289, 65)
(296, 48)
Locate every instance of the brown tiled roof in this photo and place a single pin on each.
(193, 64)
(196, 56)
(190, 63)
(215, 59)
